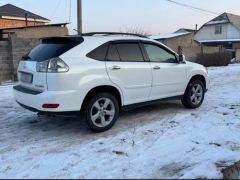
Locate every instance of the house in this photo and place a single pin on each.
(25, 24)
(12, 17)
(223, 31)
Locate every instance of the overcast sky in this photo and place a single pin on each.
(154, 16)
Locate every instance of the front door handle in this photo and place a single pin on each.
(156, 68)
(115, 67)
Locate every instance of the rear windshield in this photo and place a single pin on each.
(52, 47)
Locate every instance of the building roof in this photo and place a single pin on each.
(185, 30)
(219, 40)
(169, 36)
(234, 19)
(226, 18)
(10, 10)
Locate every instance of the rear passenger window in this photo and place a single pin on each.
(130, 52)
(113, 53)
(99, 53)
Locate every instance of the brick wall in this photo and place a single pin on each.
(9, 23)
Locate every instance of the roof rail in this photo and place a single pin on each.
(112, 33)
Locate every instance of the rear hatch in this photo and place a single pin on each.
(29, 75)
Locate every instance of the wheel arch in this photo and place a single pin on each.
(100, 89)
(198, 77)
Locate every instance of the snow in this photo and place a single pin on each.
(168, 36)
(217, 22)
(219, 40)
(160, 141)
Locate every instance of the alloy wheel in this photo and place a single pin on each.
(196, 94)
(102, 112)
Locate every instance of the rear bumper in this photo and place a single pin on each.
(67, 100)
(67, 113)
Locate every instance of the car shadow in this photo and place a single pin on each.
(45, 127)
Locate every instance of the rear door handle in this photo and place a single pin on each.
(156, 68)
(115, 67)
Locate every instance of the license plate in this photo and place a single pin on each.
(26, 77)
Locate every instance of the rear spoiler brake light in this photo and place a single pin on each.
(63, 40)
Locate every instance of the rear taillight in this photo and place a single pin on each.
(57, 65)
(42, 66)
(54, 65)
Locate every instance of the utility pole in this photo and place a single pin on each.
(26, 19)
(79, 16)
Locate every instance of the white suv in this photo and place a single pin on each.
(101, 74)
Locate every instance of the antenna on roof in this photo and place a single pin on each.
(79, 33)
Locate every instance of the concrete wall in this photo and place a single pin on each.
(208, 33)
(21, 42)
(11, 23)
(6, 65)
(238, 55)
(20, 47)
(190, 47)
(192, 52)
(39, 32)
(184, 41)
(11, 53)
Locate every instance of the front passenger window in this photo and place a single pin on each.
(158, 54)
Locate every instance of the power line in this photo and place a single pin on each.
(204, 11)
(56, 8)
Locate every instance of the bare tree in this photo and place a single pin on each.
(135, 30)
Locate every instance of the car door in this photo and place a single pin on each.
(127, 69)
(169, 75)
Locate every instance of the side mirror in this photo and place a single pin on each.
(181, 58)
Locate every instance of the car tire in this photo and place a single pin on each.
(102, 112)
(194, 94)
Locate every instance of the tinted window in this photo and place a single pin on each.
(158, 54)
(113, 53)
(129, 52)
(50, 48)
(99, 53)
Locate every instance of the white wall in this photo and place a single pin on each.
(233, 32)
(208, 33)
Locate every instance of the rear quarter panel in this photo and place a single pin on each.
(84, 74)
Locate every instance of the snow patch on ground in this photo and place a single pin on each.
(160, 141)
